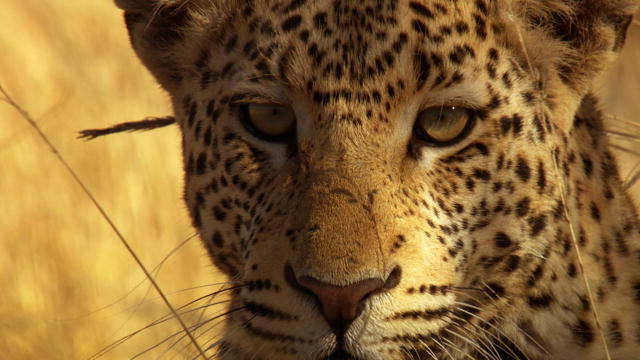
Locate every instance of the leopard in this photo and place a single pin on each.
(403, 179)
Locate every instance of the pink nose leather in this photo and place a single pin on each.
(341, 304)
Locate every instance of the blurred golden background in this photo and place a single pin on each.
(68, 288)
(62, 268)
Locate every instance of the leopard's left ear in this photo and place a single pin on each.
(588, 33)
(163, 32)
(156, 28)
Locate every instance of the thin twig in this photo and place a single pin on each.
(25, 115)
(147, 124)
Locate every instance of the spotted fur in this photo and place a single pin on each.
(490, 239)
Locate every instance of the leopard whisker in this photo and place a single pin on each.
(623, 135)
(483, 331)
(193, 328)
(443, 348)
(486, 335)
(485, 345)
(180, 292)
(161, 320)
(633, 178)
(208, 296)
(510, 321)
(412, 352)
(457, 348)
(625, 149)
(208, 302)
(236, 328)
(198, 337)
(429, 350)
(165, 317)
(153, 271)
(473, 344)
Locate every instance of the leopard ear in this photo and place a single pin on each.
(588, 33)
(162, 32)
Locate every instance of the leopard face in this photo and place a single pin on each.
(403, 179)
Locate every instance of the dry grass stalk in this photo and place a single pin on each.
(25, 115)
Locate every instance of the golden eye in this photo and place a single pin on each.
(444, 125)
(270, 122)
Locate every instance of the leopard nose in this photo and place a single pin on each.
(341, 305)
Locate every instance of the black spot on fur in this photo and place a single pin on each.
(540, 301)
(582, 333)
(538, 224)
(512, 263)
(201, 164)
(421, 10)
(423, 67)
(522, 206)
(522, 169)
(218, 240)
(595, 212)
(502, 240)
(291, 23)
(615, 333)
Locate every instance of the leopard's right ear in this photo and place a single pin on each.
(162, 32)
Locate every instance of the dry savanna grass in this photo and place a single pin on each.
(68, 286)
(65, 277)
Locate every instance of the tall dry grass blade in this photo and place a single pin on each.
(563, 190)
(576, 246)
(27, 117)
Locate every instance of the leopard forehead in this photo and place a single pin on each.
(353, 239)
(349, 70)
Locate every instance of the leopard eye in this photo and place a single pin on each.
(441, 126)
(271, 122)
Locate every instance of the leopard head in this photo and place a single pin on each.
(391, 179)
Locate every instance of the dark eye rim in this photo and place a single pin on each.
(427, 140)
(245, 119)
